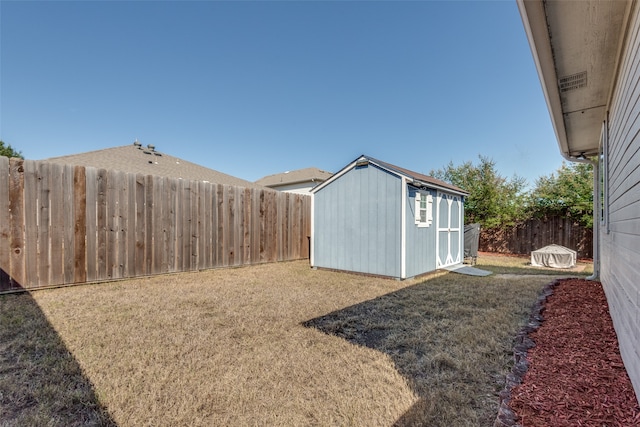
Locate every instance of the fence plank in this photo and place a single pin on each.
(112, 225)
(149, 224)
(200, 223)
(215, 237)
(131, 228)
(169, 222)
(56, 197)
(159, 255)
(69, 225)
(207, 229)
(44, 221)
(16, 206)
(80, 225)
(185, 198)
(5, 229)
(179, 214)
(120, 225)
(230, 224)
(246, 226)
(224, 226)
(141, 227)
(31, 224)
(91, 179)
(101, 224)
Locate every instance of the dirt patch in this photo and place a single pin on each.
(575, 373)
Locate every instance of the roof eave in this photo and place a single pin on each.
(535, 25)
(576, 41)
(317, 181)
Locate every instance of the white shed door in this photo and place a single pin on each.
(449, 230)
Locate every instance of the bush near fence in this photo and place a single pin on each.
(70, 224)
(533, 234)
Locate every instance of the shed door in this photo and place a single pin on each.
(449, 230)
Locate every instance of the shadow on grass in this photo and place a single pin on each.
(41, 383)
(451, 340)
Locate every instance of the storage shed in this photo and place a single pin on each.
(376, 218)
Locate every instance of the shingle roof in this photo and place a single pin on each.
(294, 177)
(148, 161)
(418, 176)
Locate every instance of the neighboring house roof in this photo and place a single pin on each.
(136, 158)
(576, 48)
(314, 175)
(415, 178)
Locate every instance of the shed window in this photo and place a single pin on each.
(424, 209)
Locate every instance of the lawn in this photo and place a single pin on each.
(274, 344)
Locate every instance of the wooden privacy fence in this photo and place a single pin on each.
(534, 234)
(70, 224)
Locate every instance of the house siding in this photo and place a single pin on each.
(421, 241)
(298, 188)
(620, 246)
(357, 223)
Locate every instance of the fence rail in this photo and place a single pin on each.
(534, 234)
(62, 224)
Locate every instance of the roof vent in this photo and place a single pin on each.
(151, 147)
(572, 82)
(137, 143)
(362, 162)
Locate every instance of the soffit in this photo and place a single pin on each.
(577, 46)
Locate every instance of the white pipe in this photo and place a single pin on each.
(596, 213)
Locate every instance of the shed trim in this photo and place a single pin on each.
(311, 243)
(403, 232)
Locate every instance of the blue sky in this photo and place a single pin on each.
(252, 88)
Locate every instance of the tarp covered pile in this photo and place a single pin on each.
(555, 256)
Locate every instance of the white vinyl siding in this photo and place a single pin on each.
(620, 248)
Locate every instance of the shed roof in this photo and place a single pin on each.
(136, 158)
(416, 178)
(294, 177)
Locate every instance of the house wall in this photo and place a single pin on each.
(299, 188)
(620, 241)
(421, 241)
(357, 223)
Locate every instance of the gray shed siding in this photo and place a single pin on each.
(421, 241)
(357, 223)
(620, 247)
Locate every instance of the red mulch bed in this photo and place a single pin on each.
(575, 375)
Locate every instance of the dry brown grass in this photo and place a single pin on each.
(521, 264)
(276, 344)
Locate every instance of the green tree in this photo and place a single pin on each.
(568, 192)
(8, 151)
(493, 200)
